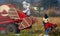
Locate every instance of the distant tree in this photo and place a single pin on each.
(49, 3)
(15, 3)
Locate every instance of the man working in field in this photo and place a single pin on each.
(47, 25)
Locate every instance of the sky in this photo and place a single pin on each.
(2, 1)
(59, 1)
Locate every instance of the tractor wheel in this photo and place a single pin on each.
(12, 28)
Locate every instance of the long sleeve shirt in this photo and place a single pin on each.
(27, 8)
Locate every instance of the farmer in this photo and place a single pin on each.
(48, 26)
(26, 7)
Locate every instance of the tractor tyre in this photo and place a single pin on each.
(12, 28)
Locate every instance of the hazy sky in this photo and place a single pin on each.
(1, 1)
(59, 1)
(19, 0)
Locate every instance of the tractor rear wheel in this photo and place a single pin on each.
(12, 28)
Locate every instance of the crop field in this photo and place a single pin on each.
(38, 29)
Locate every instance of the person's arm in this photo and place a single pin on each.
(24, 11)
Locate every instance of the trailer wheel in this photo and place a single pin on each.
(12, 28)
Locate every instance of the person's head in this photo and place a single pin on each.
(45, 16)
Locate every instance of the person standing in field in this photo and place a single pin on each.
(47, 25)
(45, 20)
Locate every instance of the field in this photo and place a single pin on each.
(37, 28)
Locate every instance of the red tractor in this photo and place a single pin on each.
(13, 20)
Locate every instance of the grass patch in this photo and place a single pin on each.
(37, 29)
